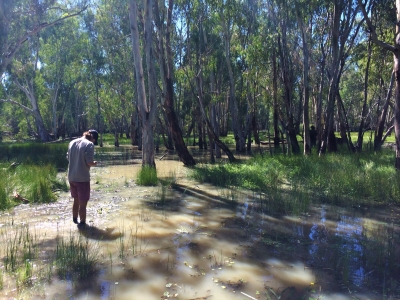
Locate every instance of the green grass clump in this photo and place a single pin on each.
(75, 257)
(34, 183)
(4, 199)
(147, 176)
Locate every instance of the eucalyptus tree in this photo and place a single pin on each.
(147, 106)
(117, 94)
(166, 65)
(395, 49)
(21, 22)
(225, 12)
(345, 25)
(60, 59)
(283, 19)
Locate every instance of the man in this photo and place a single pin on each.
(81, 157)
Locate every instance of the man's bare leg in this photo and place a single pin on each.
(75, 210)
(82, 211)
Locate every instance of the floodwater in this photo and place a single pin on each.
(190, 242)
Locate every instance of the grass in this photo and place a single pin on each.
(33, 183)
(76, 257)
(28, 262)
(29, 172)
(297, 181)
(147, 176)
(35, 153)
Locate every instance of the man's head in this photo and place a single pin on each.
(95, 135)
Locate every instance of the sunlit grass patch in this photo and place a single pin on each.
(147, 176)
(291, 183)
(33, 183)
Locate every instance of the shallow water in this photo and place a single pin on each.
(191, 243)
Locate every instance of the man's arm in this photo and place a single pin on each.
(92, 164)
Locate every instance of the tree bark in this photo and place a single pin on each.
(396, 70)
(35, 111)
(378, 139)
(166, 66)
(208, 123)
(364, 107)
(147, 112)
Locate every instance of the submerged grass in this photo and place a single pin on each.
(296, 181)
(28, 261)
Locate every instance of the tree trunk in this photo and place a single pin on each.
(35, 111)
(166, 65)
(208, 123)
(364, 111)
(147, 112)
(397, 98)
(306, 99)
(378, 141)
(236, 127)
(287, 82)
(275, 96)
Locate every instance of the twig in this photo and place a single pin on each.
(19, 197)
(163, 155)
(249, 296)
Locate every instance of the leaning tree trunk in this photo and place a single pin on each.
(35, 111)
(208, 123)
(166, 66)
(378, 140)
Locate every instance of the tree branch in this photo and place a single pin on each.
(9, 56)
(27, 109)
(372, 30)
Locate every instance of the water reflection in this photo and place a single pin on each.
(197, 243)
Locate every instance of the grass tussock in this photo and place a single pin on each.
(147, 176)
(76, 257)
(296, 181)
(33, 183)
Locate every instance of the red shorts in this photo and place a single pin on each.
(80, 190)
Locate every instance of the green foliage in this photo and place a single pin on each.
(4, 199)
(35, 153)
(32, 182)
(346, 179)
(147, 176)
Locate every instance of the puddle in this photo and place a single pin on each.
(194, 245)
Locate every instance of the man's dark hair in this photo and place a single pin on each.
(95, 135)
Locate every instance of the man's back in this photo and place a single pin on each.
(80, 153)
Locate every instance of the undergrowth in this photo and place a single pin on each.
(344, 179)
